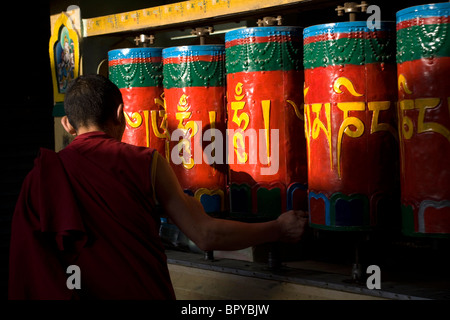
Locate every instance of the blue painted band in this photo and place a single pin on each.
(261, 32)
(345, 27)
(424, 11)
(199, 50)
(131, 53)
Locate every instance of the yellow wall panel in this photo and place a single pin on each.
(174, 13)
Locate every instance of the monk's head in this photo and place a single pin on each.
(93, 103)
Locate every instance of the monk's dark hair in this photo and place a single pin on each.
(91, 100)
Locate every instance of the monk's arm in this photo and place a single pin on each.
(217, 234)
(234, 235)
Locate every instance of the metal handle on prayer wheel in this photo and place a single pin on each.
(351, 8)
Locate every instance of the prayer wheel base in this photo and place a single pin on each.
(266, 201)
(430, 219)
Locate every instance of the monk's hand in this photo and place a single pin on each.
(292, 225)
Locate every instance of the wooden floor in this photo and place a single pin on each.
(195, 278)
(198, 284)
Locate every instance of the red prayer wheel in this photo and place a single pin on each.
(194, 88)
(266, 143)
(138, 74)
(350, 125)
(423, 58)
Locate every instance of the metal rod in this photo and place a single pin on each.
(274, 259)
(352, 16)
(209, 255)
(352, 8)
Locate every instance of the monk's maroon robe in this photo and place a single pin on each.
(91, 205)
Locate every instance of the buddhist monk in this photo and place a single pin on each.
(92, 207)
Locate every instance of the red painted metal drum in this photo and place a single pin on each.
(266, 143)
(138, 74)
(423, 57)
(350, 125)
(194, 88)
